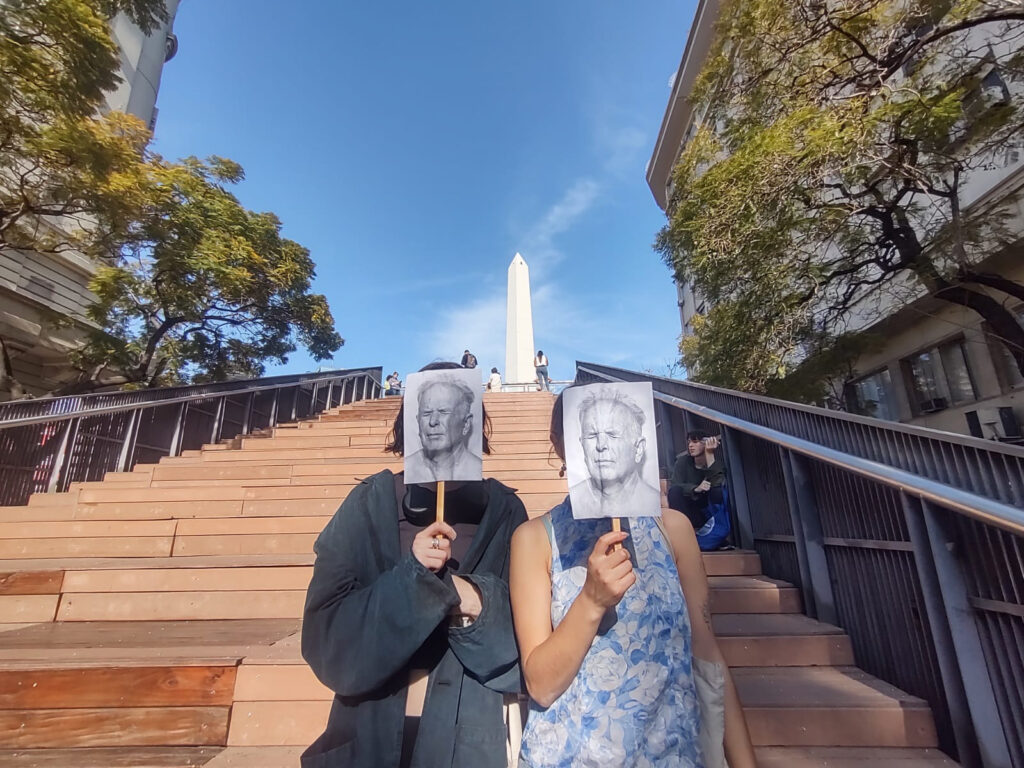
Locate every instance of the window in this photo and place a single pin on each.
(1007, 366)
(874, 396)
(940, 377)
(989, 92)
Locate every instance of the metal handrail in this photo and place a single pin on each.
(980, 508)
(867, 421)
(61, 441)
(910, 539)
(108, 409)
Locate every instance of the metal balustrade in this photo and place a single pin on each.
(911, 540)
(47, 444)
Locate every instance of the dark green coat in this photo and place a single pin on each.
(370, 607)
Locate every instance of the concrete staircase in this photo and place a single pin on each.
(152, 620)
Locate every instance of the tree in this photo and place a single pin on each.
(64, 168)
(190, 286)
(201, 289)
(826, 184)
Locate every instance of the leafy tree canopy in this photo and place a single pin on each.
(202, 288)
(190, 285)
(826, 182)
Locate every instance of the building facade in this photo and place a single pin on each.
(43, 297)
(936, 366)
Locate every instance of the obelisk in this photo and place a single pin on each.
(519, 325)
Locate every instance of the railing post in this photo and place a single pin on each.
(936, 550)
(295, 401)
(247, 418)
(179, 428)
(313, 400)
(816, 581)
(218, 420)
(666, 438)
(272, 420)
(63, 455)
(366, 380)
(945, 649)
(131, 434)
(328, 404)
(738, 487)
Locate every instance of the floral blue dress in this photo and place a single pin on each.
(633, 701)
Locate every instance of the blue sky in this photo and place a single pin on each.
(414, 148)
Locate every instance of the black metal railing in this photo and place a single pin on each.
(911, 540)
(49, 443)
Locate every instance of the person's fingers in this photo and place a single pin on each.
(609, 539)
(434, 560)
(619, 571)
(438, 529)
(616, 557)
(625, 582)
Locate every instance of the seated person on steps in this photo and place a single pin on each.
(697, 488)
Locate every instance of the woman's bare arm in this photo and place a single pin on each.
(694, 581)
(551, 659)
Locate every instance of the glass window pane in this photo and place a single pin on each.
(924, 379)
(1013, 377)
(875, 397)
(1010, 369)
(958, 375)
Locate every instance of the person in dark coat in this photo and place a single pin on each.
(397, 597)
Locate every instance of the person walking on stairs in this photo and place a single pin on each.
(540, 365)
(408, 621)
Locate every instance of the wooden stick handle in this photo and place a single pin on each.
(440, 501)
(617, 526)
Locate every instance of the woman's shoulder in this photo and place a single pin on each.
(532, 536)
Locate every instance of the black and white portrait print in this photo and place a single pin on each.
(443, 430)
(611, 450)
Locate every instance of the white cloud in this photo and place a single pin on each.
(478, 326)
(538, 242)
(566, 325)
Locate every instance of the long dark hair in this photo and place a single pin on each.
(556, 432)
(396, 438)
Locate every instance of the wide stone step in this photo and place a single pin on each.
(270, 586)
(218, 491)
(288, 757)
(780, 640)
(830, 707)
(849, 757)
(753, 594)
(136, 757)
(283, 703)
(194, 603)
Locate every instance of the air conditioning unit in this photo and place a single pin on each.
(933, 406)
(1000, 423)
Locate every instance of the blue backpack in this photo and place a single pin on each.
(715, 531)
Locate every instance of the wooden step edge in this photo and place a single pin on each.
(136, 757)
(851, 757)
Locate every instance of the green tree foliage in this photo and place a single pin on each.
(190, 285)
(60, 160)
(203, 289)
(826, 181)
